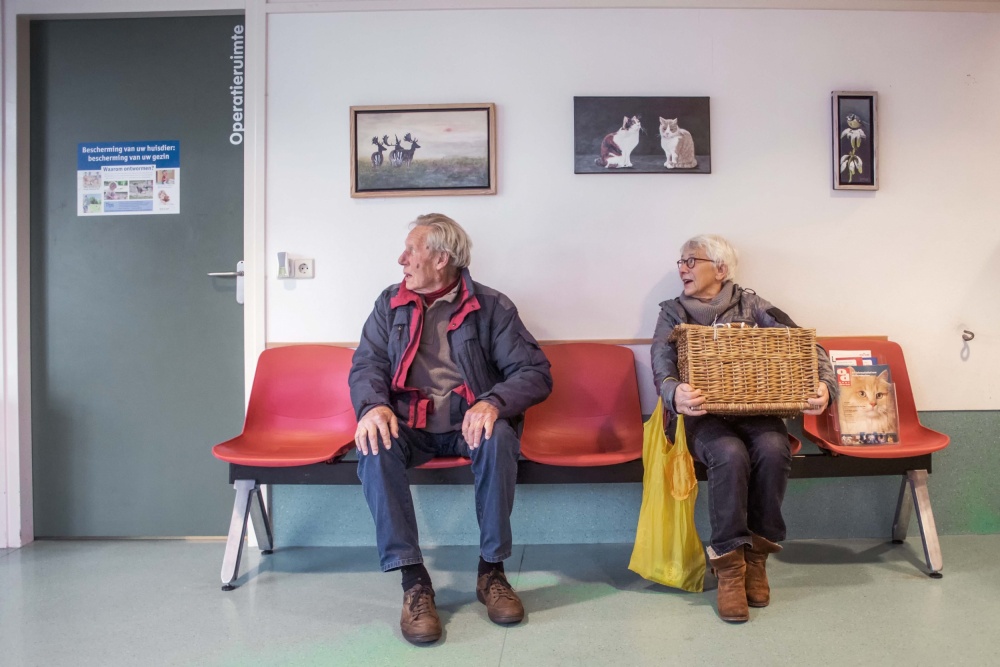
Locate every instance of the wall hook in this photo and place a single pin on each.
(967, 335)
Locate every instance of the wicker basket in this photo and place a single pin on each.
(748, 371)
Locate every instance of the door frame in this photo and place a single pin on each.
(16, 491)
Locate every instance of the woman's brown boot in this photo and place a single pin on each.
(758, 590)
(730, 570)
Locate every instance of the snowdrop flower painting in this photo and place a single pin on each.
(855, 140)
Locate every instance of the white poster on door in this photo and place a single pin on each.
(128, 178)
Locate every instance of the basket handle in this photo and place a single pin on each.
(728, 325)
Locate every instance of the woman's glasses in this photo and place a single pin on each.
(691, 261)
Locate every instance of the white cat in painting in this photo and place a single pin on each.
(617, 147)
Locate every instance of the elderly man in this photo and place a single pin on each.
(444, 368)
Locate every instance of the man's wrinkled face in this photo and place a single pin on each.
(424, 270)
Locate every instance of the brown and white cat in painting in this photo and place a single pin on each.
(677, 145)
(867, 404)
(617, 147)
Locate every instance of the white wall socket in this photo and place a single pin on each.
(304, 268)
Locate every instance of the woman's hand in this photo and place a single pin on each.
(688, 400)
(818, 403)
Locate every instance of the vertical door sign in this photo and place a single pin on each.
(236, 90)
(128, 178)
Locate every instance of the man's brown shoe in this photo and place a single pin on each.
(502, 603)
(420, 623)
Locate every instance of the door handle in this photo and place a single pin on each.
(238, 274)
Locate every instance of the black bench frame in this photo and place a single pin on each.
(344, 471)
(250, 502)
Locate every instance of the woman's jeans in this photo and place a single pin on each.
(387, 489)
(748, 461)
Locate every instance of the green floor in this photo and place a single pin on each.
(851, 602)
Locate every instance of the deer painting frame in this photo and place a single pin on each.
(423, 149)
(855, 140)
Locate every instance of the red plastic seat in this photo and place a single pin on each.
(299, 411)
(915, 439)
(593, 416)
(794, 444)
(440, 462)
(299, 414)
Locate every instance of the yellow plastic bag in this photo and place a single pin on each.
(667, 547)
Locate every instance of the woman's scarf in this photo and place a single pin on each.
(705, 312)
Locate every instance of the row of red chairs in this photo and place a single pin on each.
(300, 414)
(300, 410)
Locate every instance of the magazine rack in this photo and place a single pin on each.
(915, 439)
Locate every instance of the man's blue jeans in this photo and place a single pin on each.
(748, 461)
(387, 490)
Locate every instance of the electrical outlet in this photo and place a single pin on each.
(304, 268)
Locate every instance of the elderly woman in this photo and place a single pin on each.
(747, 457)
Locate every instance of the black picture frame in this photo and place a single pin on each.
(597, 119)
(855, 140)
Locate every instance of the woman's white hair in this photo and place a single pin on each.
(719, 250)
(446, 235)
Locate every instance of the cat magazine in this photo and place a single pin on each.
(866, 410)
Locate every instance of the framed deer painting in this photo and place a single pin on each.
(428, 149)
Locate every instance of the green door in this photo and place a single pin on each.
(136, 353)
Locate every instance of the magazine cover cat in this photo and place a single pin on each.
(866, 409)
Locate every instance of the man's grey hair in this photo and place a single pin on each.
(719, 250)
(446, 235)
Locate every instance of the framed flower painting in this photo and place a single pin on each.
(855, 140)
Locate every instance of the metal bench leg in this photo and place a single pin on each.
(901, 522)
(925, 518)
(261, 522)
(237, 532)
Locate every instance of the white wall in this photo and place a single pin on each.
(590, 256)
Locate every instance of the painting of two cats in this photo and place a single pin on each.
(658, 135)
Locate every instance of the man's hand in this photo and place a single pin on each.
(479, 422)
(380, 420)
(818, 403)
(688, 400)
